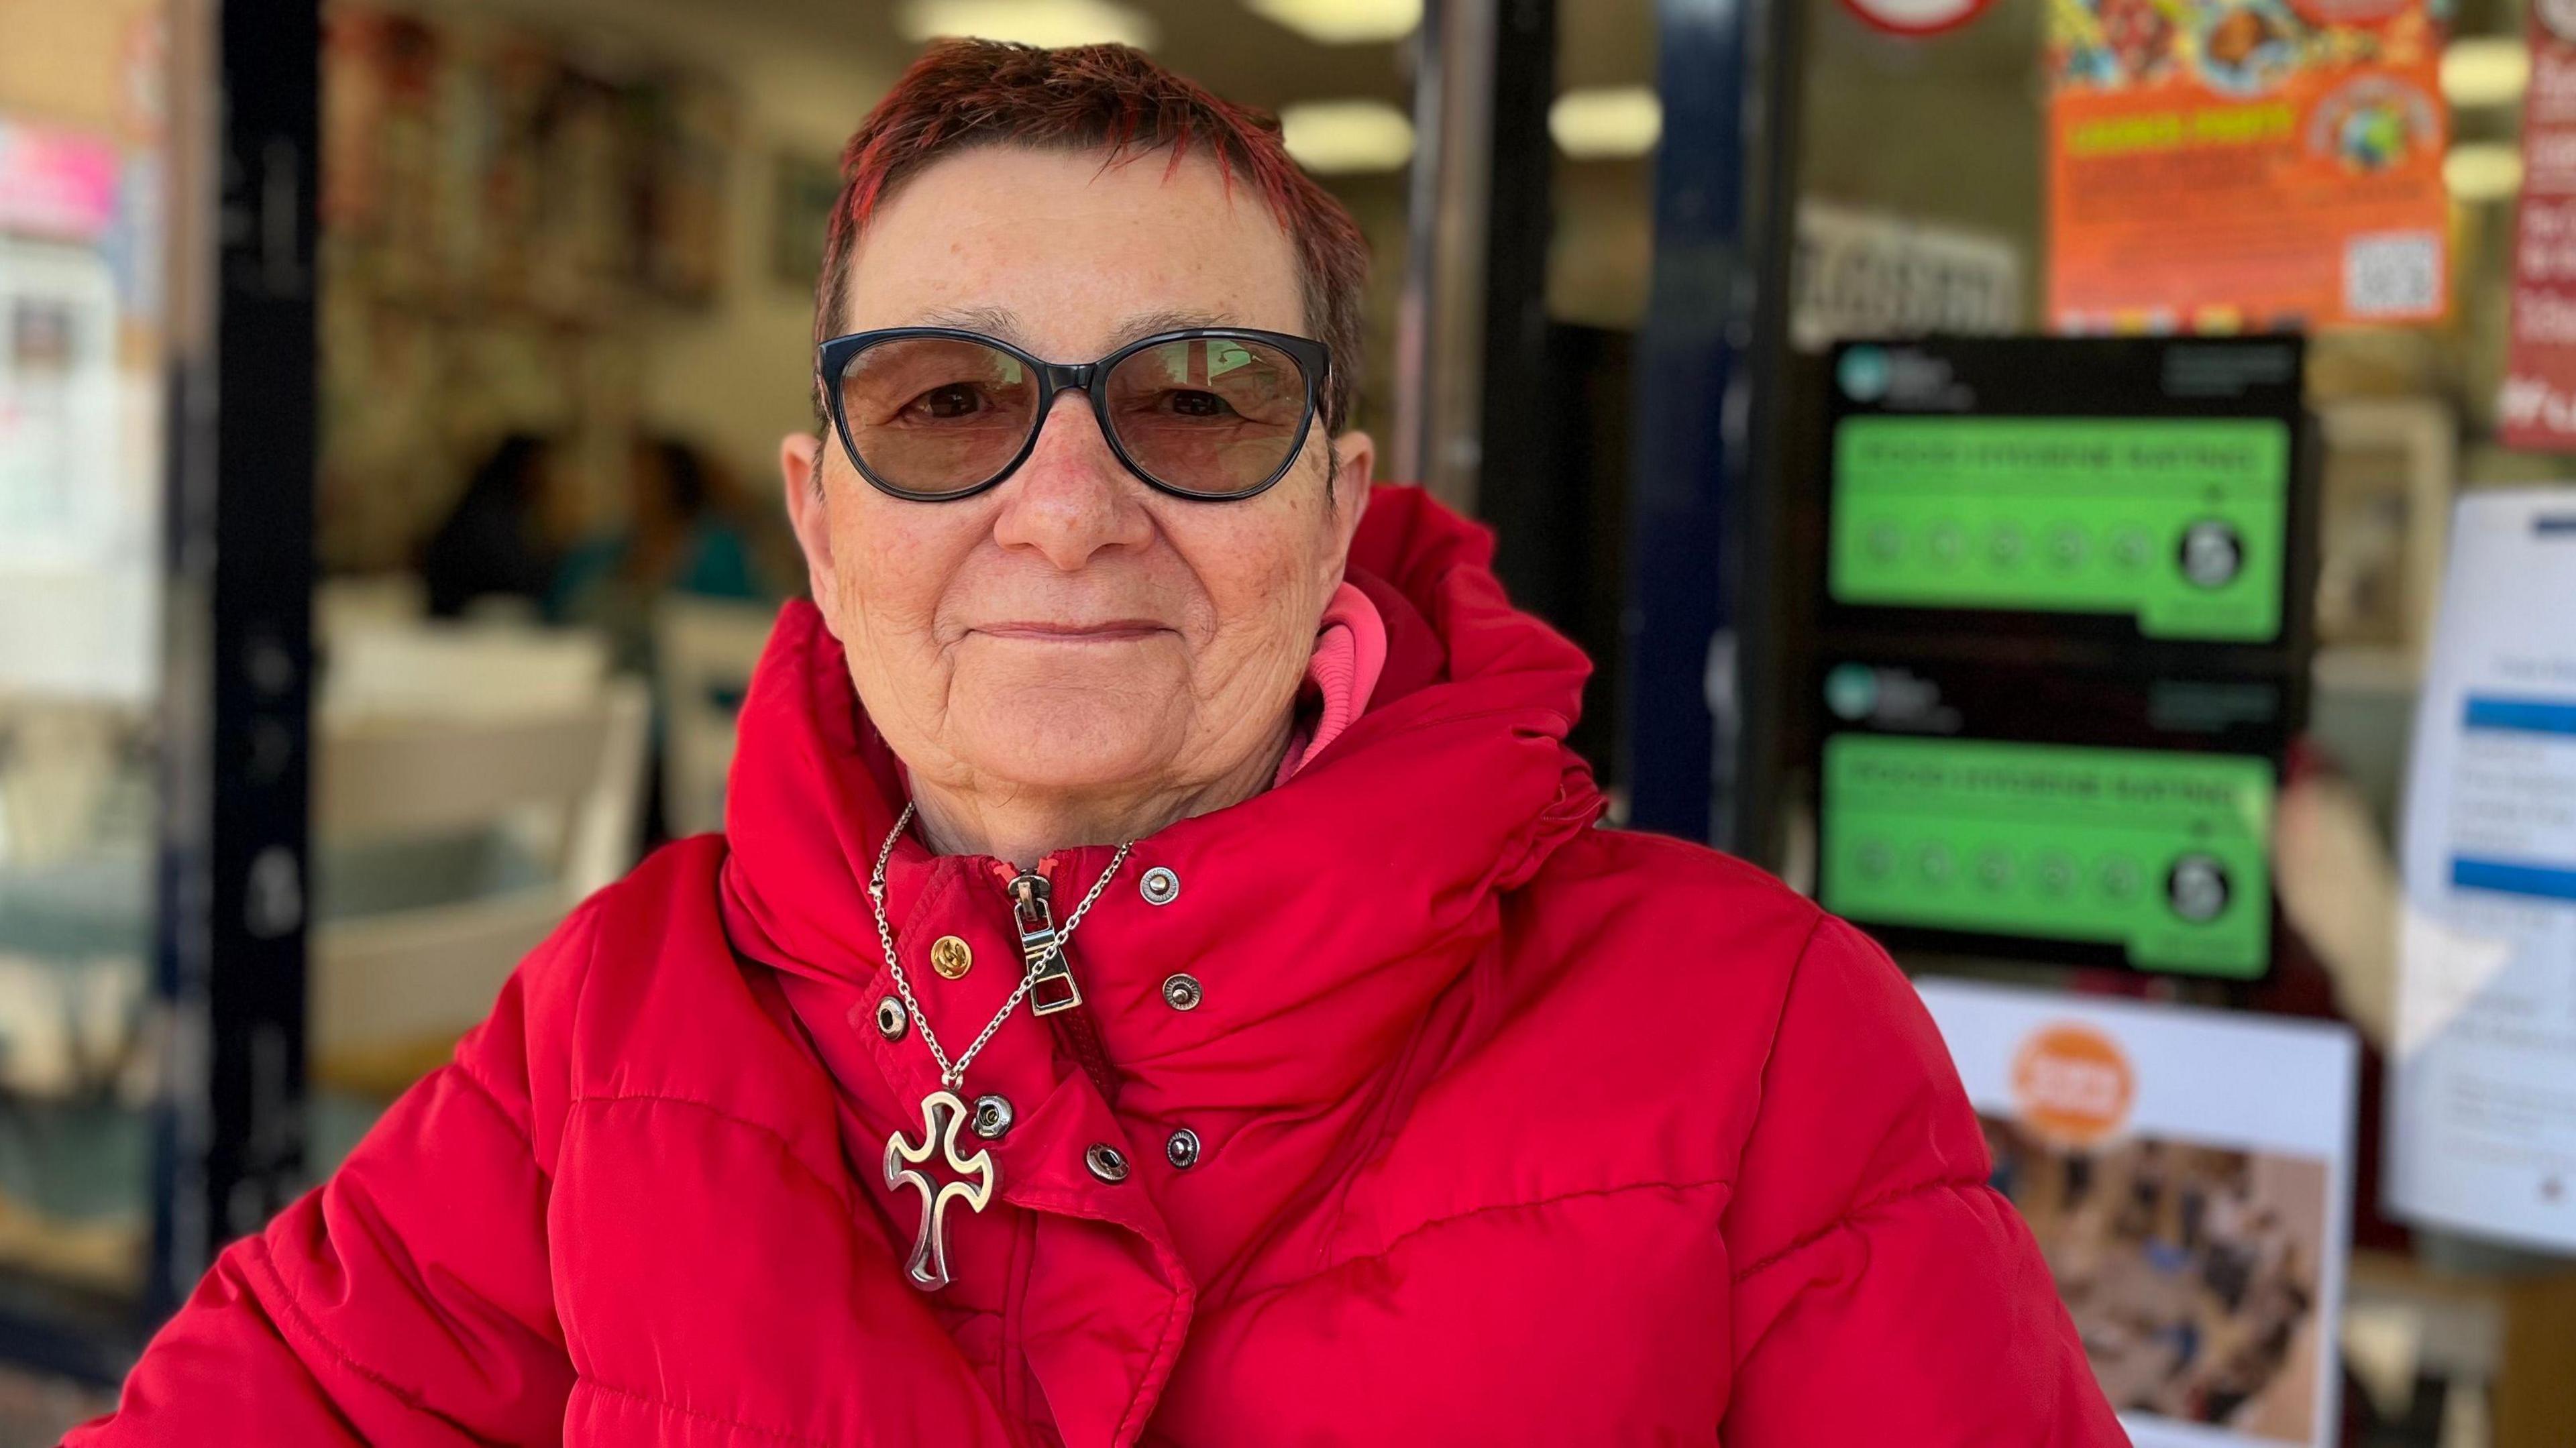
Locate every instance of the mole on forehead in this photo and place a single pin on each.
(1007, 324)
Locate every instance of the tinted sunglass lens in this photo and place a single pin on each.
(937, 415)
(1210, 415)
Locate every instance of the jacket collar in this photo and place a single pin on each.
(1321, 915)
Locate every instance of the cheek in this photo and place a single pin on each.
(890, 586)
(1264, 582)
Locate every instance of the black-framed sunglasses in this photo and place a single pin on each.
(935, 413)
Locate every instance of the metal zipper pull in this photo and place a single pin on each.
(1051, 987)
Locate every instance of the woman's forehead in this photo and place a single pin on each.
(1055, 249)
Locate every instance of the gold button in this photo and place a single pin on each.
(950, 957)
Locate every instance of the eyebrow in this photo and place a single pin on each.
(1004, 323)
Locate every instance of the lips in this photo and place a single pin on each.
(1056, 631)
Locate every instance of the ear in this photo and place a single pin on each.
(1354, 469)
(800, 467)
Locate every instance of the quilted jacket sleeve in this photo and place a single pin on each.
(1883, 1292)
(406, 1302)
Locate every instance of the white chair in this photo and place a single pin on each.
(608, 832)
(416, 670)
(347, 601)
(58, 766)
(75, 897)
(391, 990)
(704, 653)
(68, 1028)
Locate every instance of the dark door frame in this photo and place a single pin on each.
(1705, 502)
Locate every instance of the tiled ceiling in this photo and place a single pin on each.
(1250, 58)
(1600, 252)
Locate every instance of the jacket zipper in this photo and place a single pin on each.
(1051, 984)
(1080, 1039)
(1054, 996)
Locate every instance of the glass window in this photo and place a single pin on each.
(82, 348)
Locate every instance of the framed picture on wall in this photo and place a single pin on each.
(806, 189)
(692, 129)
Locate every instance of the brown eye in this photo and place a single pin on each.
(955, 400)
(1196, 404)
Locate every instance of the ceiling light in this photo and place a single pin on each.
(1339, 136)
(2482, 171)
(1031, 22)
(2485, 71)
(1344, 22)
(1605, 121)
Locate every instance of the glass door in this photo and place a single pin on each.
(154, 554)
(85, 345)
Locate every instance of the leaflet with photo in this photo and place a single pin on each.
(2188, 1175)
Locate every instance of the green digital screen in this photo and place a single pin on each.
(2161, 854)
(2175, 522)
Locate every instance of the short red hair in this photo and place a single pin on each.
(961, 94)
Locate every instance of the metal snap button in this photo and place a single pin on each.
(951, 957)
(1159, 886)
(1182, 1150)
(992, 1117)
(1106, 1162)
(1181, 992)
(890, 1019)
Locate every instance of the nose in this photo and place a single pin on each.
(1071, 499)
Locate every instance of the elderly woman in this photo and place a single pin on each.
(1162, 980)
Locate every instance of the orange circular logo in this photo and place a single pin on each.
(2072, 1083)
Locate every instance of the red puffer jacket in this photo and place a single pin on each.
(1509, 1130)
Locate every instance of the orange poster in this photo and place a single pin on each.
(2221, 165)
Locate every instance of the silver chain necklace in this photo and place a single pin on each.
(943, 1113)
(952, 1076)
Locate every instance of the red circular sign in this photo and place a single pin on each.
(1916, 17)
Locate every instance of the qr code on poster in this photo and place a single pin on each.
(2392, 273)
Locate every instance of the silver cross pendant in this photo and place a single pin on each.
(973, 1177)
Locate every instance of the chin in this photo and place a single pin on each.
(1071, 738)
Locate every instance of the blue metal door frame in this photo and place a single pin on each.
(1709, 362)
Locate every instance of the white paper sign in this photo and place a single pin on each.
(80, 484)
(2188, 1175)
(1861, 273)
(2482, 1124)
(57, 405)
